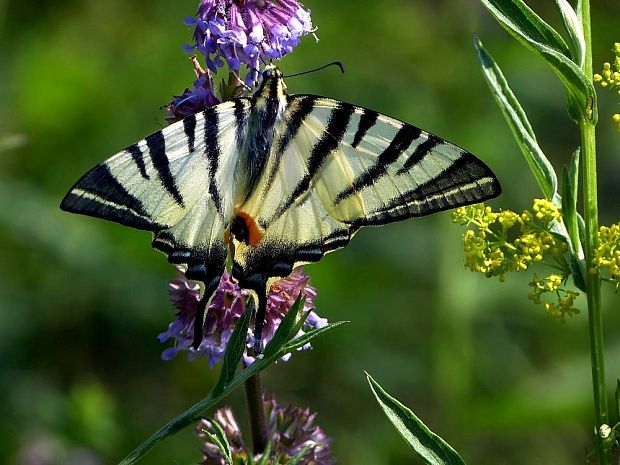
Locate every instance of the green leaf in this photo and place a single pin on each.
(220, 440)
(304, 339)
(235, 349)
(536, 35)
(570, 185)
(429, 447)
(572, 23)
(286, 329)
(272, 353)
(521, 21)
(518, 123)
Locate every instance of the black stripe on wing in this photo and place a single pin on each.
(138, 157)
(303, 107)
(189, 127)
(203, 262)
(76, 203)
(261, 134)
(276, 258)
(213, 153)
(401, 142)
(240, 116)
(313, 251)
(157, 150)
(420, 151)
(98, 193)
(328, 142)
(367, 121)
(468, 180)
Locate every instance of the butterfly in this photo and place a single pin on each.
(274, 181)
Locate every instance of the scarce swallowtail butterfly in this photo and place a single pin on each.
(274, 181)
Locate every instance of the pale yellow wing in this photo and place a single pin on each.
(179, 182)
(334, 168)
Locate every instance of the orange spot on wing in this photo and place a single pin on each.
(254, 232)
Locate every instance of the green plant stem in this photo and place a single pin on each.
(256, 409)
(593, 281)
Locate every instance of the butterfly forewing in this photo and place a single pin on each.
(179, 182)
(399, 171)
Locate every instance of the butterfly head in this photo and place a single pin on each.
(271, 72)
(272, 86)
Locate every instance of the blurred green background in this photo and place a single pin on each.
(82, 300)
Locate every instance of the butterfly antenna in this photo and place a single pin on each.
(333, 63)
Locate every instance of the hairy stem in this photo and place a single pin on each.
(593, 281)
(256, 410)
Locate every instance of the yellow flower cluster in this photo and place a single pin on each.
(610, 78)
(506, 241)
(565, 299)
(607, 254)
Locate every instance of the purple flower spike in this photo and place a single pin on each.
(290, 430)
(249, 32)
(227, 306)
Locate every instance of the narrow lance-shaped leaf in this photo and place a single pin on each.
(224, 386)
(235, 349)
(287, 327)
(518, 123)
(429, 447)
(522, 23)
(275, 352)
(569, 212)
(572, 24)
(304, 339)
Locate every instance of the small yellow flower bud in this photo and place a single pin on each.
(597, 78)
(616, 118)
